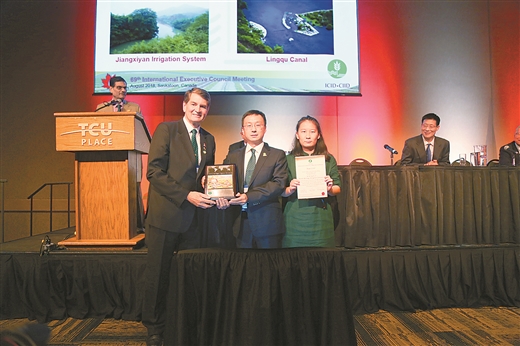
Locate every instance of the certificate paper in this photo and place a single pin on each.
(310, 171)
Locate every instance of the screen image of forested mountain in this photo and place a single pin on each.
(180, 29)
(285, 27)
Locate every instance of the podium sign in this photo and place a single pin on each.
(108, 170)
(101, 131)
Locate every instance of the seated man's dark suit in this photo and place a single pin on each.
(505, 157)
(414, 151)
(236, 145)
(264, 210)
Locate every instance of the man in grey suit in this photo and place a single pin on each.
(256, 211)
(427, 148)
(178, 155)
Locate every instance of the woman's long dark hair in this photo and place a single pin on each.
(321, 147)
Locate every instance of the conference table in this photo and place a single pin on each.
(406, 206)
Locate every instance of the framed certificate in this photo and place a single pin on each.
(311, 172)
(221, 181)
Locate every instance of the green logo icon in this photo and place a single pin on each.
(337, 68)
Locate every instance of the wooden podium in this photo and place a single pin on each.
(108, 170)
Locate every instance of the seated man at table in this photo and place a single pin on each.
(509, 152)
(427, 148)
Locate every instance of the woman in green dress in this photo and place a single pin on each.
(309, 222)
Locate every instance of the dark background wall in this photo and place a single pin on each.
(457, 59)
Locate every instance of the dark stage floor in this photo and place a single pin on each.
(35, 243)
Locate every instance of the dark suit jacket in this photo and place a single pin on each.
(236, 145)
(172, 175)
(415, 153)
(505, 157)
(127, 107)
(267, 184)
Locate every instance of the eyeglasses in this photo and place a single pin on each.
(429, 127)
(251, 126)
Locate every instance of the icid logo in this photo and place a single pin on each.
(337, 85)
(337, 68)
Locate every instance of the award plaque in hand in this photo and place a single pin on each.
(221, 181)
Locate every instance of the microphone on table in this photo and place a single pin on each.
(106, 104)
(392, 150)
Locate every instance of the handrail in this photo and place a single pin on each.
(31, 197)
(2, 200)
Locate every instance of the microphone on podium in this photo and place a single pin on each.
(106, 104)
(389, 148)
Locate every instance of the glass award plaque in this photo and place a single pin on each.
(221, 181)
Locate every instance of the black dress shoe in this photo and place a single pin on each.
(154, 340)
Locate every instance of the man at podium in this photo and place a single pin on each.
(118, 89)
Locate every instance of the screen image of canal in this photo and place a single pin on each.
(270, 15)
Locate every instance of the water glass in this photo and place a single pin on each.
(480, 155)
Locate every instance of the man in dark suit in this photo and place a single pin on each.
(256, 211)
(509, 153)
(178, 155)
(239, 144)
(427, 148)
(118, 89)
(236, 145)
